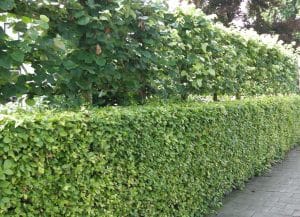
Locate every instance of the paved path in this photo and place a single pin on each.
(275, 194)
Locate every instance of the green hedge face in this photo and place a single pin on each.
(174, 160)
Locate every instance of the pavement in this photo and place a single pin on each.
(275, 194)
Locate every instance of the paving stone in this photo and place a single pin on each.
(293, 206)
(275, 204)
(296, 213)
(296, 195)
(281, 211)
(290, 200)
(268, 215)
(275, 194)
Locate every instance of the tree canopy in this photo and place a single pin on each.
(280, 17)
(119, 52)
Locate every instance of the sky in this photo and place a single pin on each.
(236, 22)
(173, 4)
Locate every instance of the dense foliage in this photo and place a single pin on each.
(129, 50)
(15, 51)
(280, 17)
(211, 59)
(172, 160)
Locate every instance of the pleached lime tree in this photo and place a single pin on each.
(15, 51)
(102, 52)
(127, 51)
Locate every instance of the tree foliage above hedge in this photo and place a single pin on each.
(128, 50)
(269, 16)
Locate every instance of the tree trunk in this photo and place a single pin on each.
(88, 97)
(215, 97)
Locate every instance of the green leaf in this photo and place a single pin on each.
(66, 187)
(203, 47)
(8, 164)
(2, 175)
(3, 36)
(69, 64)
(212, 72)
(3, 18)
(18, 56)
(4, 184)
(41, 169)
(7, 5)
(131, 13)
(42, 24)
(8, 172)
(199, 83)
(198, 66)
(90, 70)
(33, 34)
(6, 139)
(59, 43)
(63, 133)
(5, 62)
(44, 18)
(104, 18)
(4, 200)
(83, 20)
(30, 102)
(84, 84)
(79, 14)
(5, 77)
(26, 20)
(20, 27)
(91, 3)
(100, 61)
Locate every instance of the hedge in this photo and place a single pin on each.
(167, 160)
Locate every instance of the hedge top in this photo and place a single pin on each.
(85, 114)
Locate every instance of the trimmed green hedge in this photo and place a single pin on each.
(173, 160)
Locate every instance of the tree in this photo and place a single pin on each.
(16, 51)
(265, 16)
(100, 51)
(126, 51)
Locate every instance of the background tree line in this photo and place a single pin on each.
(280, 17)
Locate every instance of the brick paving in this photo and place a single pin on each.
(275, 194)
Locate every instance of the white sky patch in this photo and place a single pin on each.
(238, 20)
(173, 4)
(9, 31)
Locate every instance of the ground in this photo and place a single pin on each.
(275, 194)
